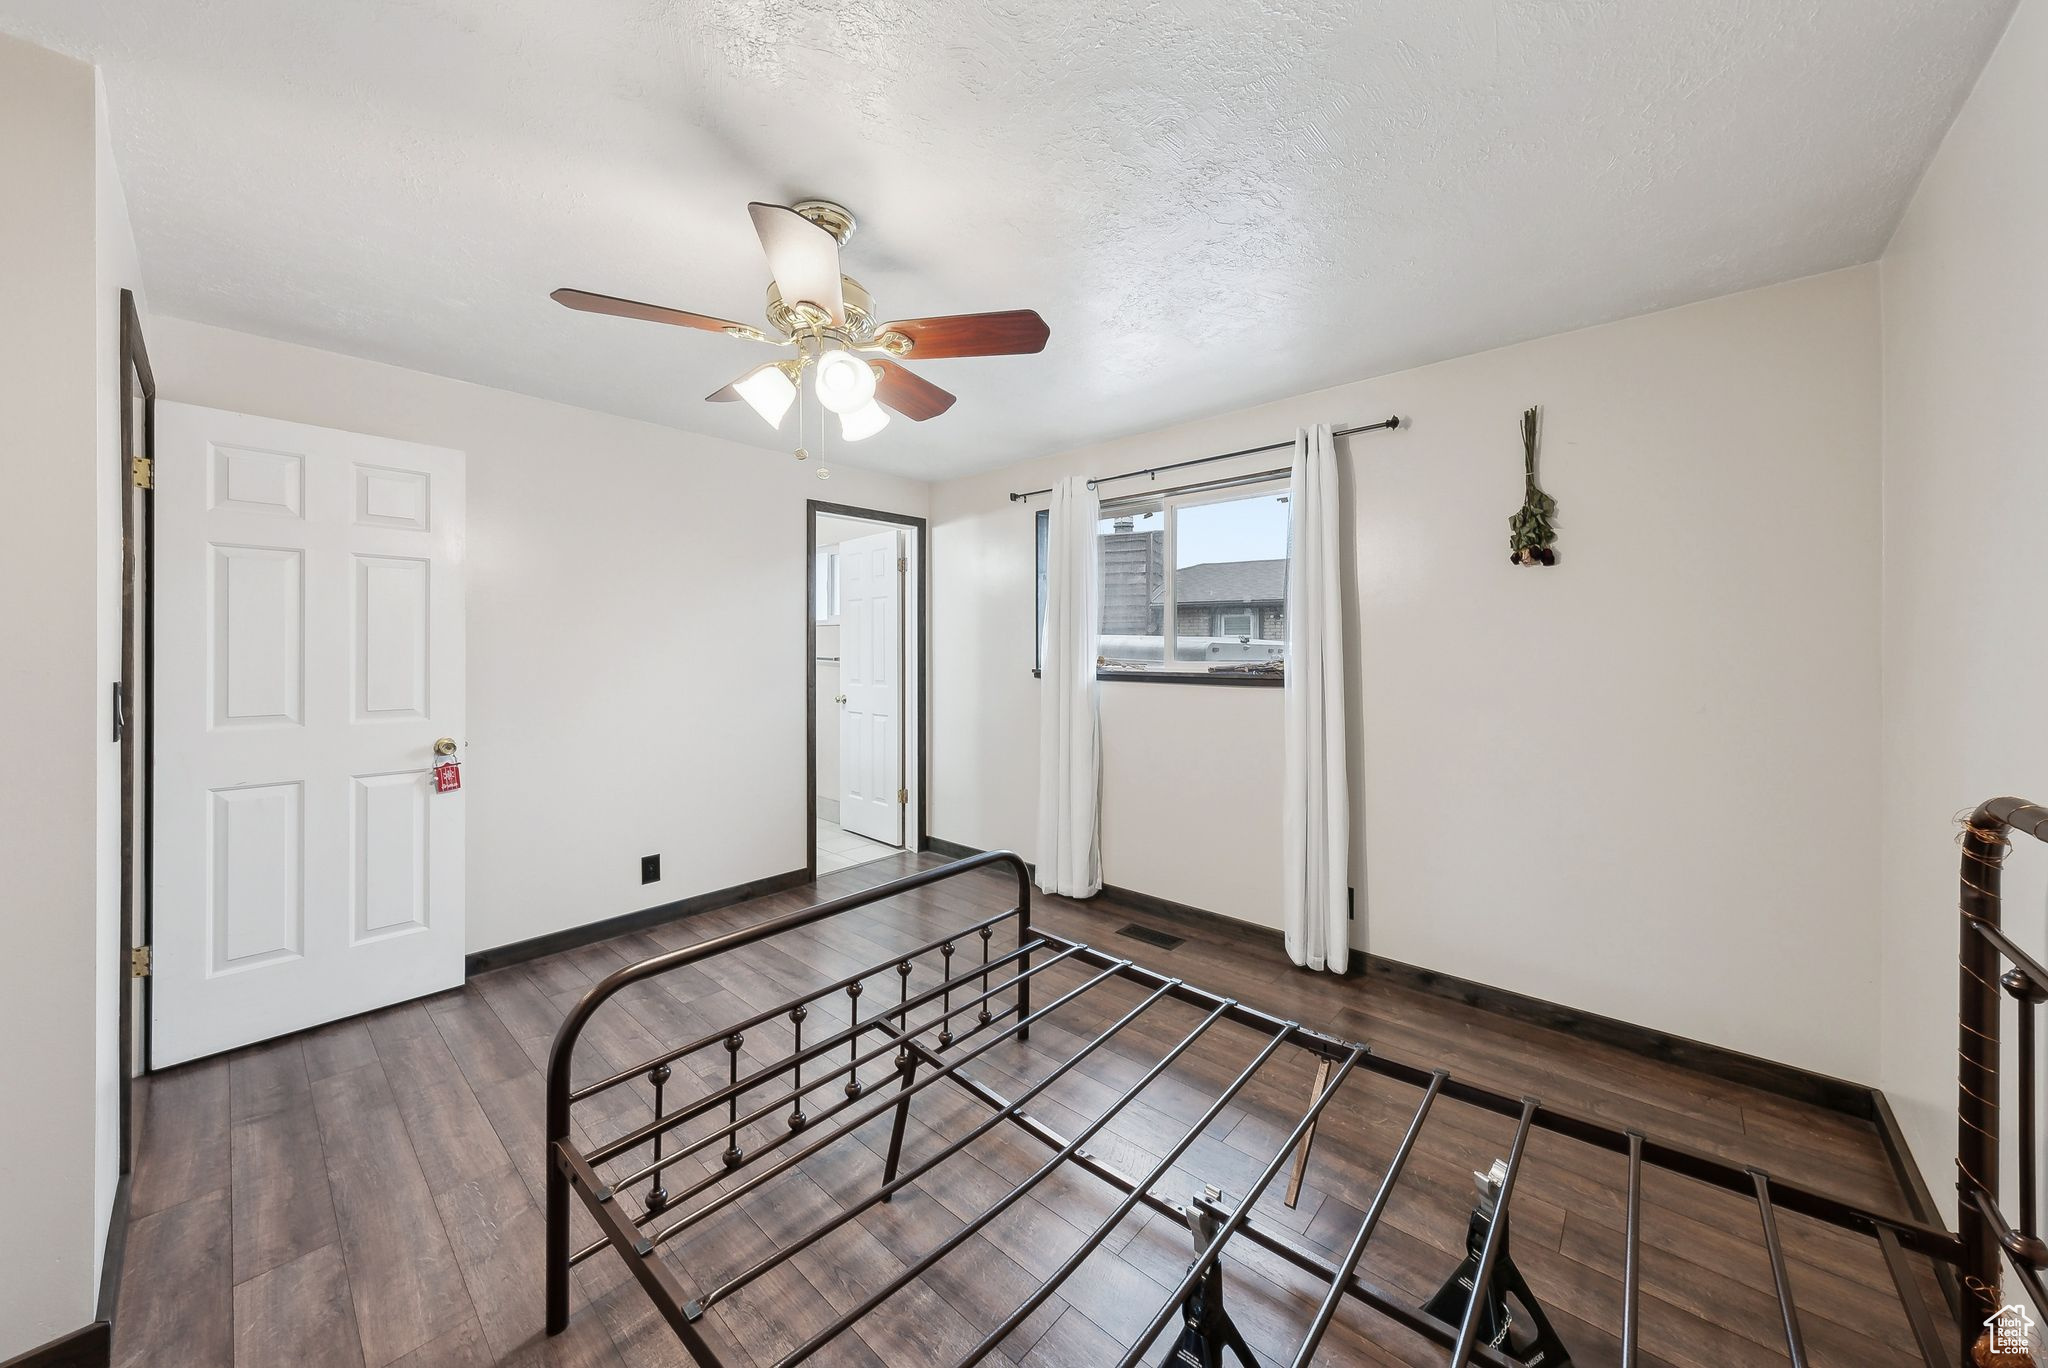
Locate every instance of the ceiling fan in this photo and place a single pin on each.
(829, 321)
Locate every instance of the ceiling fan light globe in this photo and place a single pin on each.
(769, 392)
(864, 421)
(844, 381)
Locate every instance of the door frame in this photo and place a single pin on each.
(915, 692)
(138, 599)
(138, 772)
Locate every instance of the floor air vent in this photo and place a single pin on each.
(1151, 937)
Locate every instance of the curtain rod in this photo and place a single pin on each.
(1388, 423)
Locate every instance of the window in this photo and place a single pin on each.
(826, 596)
(1192, 583)
(1131, 551)
(1044, 521)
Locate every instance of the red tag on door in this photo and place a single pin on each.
(447, 777)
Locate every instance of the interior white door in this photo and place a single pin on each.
(871, 676)
(309, 653)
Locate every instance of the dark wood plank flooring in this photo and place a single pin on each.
(369, 1193)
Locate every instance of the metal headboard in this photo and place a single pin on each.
(1989, 1239)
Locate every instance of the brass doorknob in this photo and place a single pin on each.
(445, 746)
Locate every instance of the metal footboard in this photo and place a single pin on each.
(921, 1018)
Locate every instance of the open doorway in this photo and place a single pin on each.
(864, 622)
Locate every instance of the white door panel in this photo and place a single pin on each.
(871, 677)
(309, 653)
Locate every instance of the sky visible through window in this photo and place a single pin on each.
(1240, 530)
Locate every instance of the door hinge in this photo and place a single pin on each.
(902, 795)
(139, 962)
(902, 564)
(140, 474)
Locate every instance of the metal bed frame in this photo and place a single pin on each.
(991, 999)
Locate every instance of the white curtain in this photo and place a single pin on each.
(1069, 732)
(1316, 820)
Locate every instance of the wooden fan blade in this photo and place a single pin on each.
(803, 258)
(633, 308)
(1010, 333)
(913, 396)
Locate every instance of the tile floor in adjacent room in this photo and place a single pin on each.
(840, 849)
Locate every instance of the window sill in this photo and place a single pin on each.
(1257, 681)
(1229, 679)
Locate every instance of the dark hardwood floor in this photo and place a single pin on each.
(368, 1193)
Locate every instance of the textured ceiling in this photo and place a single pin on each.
(1214, 203)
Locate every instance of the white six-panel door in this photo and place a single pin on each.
(871, 677)
(309, 653)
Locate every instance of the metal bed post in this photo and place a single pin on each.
(556, 1253)
(2029, 996)
(946, 1001)
(1983, 1230)
(1023, 940)
(797, 1119)
(1984, 846)
(657, 1195)
(734, 1155)
(906, 1070)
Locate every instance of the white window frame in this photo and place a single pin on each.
(826, 573)
(1223, 620)
(1169, 505)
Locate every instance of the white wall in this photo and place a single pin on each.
(1597, 783)
(50, 696)
(1965, 290)
(636, 627)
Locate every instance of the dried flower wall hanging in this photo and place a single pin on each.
(1530, 534)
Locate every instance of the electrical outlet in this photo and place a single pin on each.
(650, 869)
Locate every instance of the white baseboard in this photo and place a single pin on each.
(828, 809)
